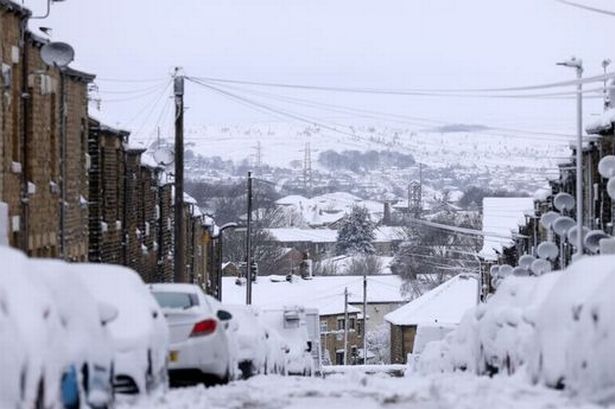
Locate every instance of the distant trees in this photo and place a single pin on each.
(474, 195)
(433, 255)
(357, 161)
(356, 233)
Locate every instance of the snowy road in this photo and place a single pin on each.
(358, 391)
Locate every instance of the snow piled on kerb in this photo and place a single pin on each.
(358, 391)
(502, 217)
(557, 329)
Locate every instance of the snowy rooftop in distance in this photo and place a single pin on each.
(445, 304)
(502, 217)
(325, 293)
(294, 235)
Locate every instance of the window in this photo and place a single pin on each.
(323, 326)
(359, 327)
(340, 324)
(339, 358)
(351, 323)
(176, 300)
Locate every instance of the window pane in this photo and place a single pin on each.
(176, 300)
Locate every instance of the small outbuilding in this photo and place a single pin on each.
(433, 314)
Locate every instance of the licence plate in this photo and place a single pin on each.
(173, 356)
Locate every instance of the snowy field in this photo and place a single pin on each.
(358, 391)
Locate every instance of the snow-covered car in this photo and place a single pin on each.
(89, 344)
(139, 333)
(200, 348)
(591, 360)
(556, 318)
(39, 362)
(251, 339)
(290, 324)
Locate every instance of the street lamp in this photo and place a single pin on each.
(221, 230)
(44, 16)
(577, 64)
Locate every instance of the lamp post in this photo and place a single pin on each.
(577, 64)
(220, 256)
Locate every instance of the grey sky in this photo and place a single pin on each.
(386, 43)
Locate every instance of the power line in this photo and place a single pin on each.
(413, 91)
(386, 116)
(585, 7)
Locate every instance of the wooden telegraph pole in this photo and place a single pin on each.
(180, 254)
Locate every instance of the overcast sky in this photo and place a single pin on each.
(366, 43)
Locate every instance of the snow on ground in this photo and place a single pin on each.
(359, 391)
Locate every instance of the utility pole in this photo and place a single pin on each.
(607, 100)
(180, 262)
(365, 319)
(249, 243)
(577, 64)
(259, 155)
(346, 326)
(307, 169)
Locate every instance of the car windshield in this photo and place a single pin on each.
(176, 299)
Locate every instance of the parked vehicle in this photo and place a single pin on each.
(200, 348)
(251, 339)
(85, 319)
(291, 325)
(140, 334)
(277, 350)
(39, 362)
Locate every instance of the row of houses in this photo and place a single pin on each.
(525, 229)
(74, 188)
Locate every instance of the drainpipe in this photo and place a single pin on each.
(25, 100)
(63, 173)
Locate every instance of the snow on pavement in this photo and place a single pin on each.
(358, 391)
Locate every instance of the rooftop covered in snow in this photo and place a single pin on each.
(445, 304)
(325, 293)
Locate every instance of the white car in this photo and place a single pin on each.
(251, 339)
(290, 324)
(89, 344)
(140, 334)
(201, 349)
(38, 366)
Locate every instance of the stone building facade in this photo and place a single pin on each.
(332, 338)
(43, 176)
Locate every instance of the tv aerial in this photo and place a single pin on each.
(57, 54)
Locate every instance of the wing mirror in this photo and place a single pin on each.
(107, 313)
(224, 315)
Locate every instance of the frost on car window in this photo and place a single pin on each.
(176, 300)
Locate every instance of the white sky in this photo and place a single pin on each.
(366, 43)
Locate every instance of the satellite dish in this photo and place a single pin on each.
(547, 251)
(526, 261)
(572, 234)
(164, 156)
(562, 224)
(548, 218)
(563, 201)
(520, 272)
(606, 166)
(540, 267)
(610, 188)
(495, 281)
(505, 270)
(494, 270)
(57, 54)
(592, 240)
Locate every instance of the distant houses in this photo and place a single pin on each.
(433, 314)
(326, 294)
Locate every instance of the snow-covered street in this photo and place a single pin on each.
(359, 391)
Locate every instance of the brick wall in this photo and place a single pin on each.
(332, 339)
(402, 342)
